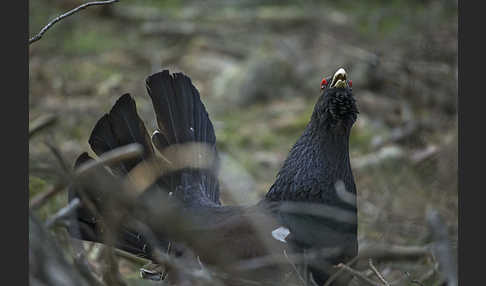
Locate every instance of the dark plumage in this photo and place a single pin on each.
(182, 118)
(316, 163)
(122, 126)
(311, 205)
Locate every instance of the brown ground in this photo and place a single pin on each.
(258, 68)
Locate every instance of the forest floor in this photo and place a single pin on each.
(258, 68)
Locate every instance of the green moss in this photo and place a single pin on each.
(86, 39)
(36, 186)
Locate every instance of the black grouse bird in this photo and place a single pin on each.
(311, 207)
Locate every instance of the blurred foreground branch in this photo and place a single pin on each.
(47, 264)
(441, 247)
(358, 274)
(377, 273)
(41, 123)
(114, 156)
(64, 212)
(393, 252)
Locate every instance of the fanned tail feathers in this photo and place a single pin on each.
(122, 126)
(182, 118)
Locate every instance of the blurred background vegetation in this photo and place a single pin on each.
(258, 67)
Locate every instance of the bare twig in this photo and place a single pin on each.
(417, 282)
(64, 212)
(340, 271)
(110, 271)
(115, 155)
(377, 273)
(390, 252)
(86, 269)
(131, 257)
(41, 123)
(424, 277)
(393, 252)
(358, 274)
(166, 271)
(67, 14)
(48, 264)
(295, 268)
(41, 198)
(441, 247)
(272, 259)
(57, 153)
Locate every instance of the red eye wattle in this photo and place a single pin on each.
(350, 83)
(323, 83)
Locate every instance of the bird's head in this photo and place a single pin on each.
(336, 105)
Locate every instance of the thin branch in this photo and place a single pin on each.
(67, 14)
(295, 268)
(166, 271)
(49, 262)
(425, 277)
(358, 274)
(113, 156)
(110, 271)
(64, 212)
(393, 252)
(441, 247)
(41, 123)
(340, 271)
(383, 252)
(57, 154)
(41, 198)
(377, 273)
(131, 257)
(272, 259)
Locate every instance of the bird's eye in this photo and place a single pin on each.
(323, 83)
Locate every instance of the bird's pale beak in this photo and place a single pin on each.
(339, 79)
